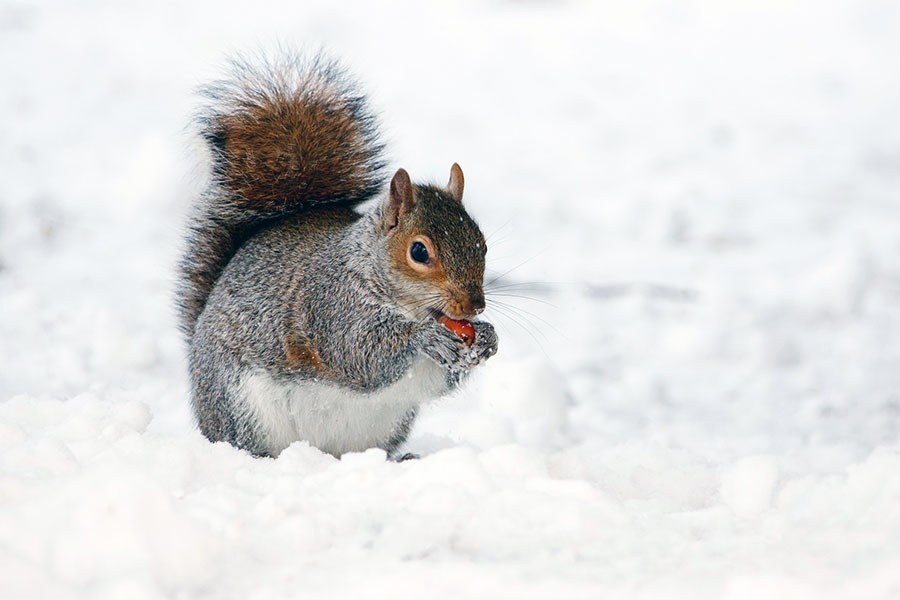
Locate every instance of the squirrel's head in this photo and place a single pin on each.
(435, 250)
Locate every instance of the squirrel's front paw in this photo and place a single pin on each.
(445, 347)
(485, 344)
(448, 349)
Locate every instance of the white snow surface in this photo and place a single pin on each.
(699, 396)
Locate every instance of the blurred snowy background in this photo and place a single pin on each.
(698, 396)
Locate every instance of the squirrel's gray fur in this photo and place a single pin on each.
(306, 319)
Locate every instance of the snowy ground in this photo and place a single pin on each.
(704, 400)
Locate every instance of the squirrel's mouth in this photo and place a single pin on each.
(456, 316)
(458, 306)
(436, 314)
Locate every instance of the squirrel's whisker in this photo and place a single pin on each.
(523, 322)
(503, 314)
(507, 272)
(518, 284)
(494, 294)
(498, 230)
(523, 312)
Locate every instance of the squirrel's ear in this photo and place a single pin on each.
(457, 183)
(400, 199)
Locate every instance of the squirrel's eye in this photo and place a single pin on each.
(418, 252)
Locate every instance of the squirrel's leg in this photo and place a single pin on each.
(372, 353)
(215, 395)
(214, 408)
(398, 437)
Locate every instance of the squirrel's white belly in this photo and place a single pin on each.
(334, 419)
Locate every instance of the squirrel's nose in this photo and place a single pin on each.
(477, 302)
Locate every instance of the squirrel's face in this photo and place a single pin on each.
(435, 250)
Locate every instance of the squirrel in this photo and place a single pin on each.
(306, 318)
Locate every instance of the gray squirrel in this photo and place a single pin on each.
(305, 318)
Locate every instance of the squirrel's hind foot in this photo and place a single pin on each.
(404, 457)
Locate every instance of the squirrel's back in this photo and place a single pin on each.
(285, 134)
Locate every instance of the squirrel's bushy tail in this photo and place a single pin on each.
(286, 134)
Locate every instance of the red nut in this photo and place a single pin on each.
(463, 329)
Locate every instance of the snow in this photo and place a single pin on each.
(701, 202)
(747, 485)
